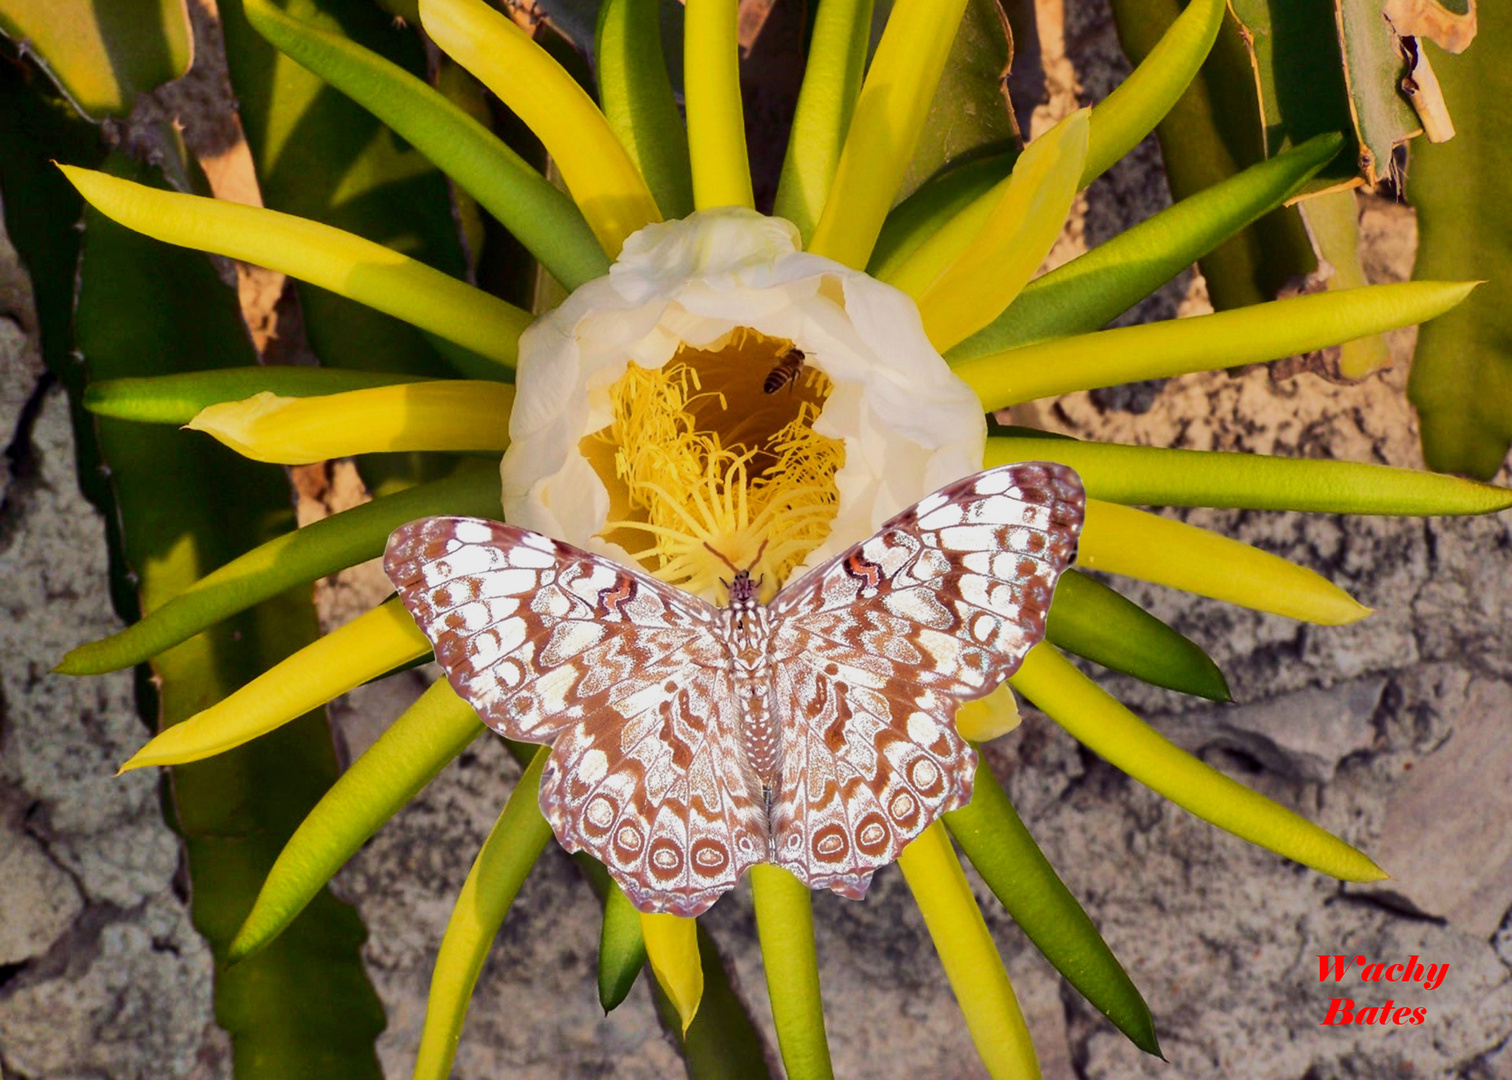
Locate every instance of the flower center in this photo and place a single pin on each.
(712, 463)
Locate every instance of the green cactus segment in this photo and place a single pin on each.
(1461, 380)
(994, 838)
(102, 55)
(304, 1006)
(1093, 289)
(517, 840)
(1333, 222)
(287, 561)
(785, 924)
(176, 399)
(1156, 476)
(1215, 131)
(636, 95)
(1092, 717)
(1131, 111)
(1374, 68)
(539, 215)
(406, 757)
(969, 112)
(1249, 335)
(622, 949)
(1096, 623)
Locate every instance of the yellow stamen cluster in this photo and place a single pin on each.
(716, 473)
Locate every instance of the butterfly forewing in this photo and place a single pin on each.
(628, 676)
(875, 650)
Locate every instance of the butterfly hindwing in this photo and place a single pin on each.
(874, 651)
(627, 677)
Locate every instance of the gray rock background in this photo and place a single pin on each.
(1389, 732)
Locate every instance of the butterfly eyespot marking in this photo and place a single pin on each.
(830, 844)
(692, 742)
(665, 859)
(872, 833)
(925, 776)
(903, 808)
(710, 856)
(600, 812)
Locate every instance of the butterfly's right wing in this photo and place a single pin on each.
(626, 676)
(874, 651)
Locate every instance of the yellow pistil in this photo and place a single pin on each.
(706, 471)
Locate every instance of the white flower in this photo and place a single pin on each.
(731, 287)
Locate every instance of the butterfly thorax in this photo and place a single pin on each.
(746, 628)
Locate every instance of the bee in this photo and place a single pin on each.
(786, 371)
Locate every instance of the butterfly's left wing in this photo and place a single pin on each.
(627, 678)
(873, 652)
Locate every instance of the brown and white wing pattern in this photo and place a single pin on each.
(873, 652)
(627, 677)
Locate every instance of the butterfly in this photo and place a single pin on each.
(690, 742)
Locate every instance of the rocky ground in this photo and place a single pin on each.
(1388, 732)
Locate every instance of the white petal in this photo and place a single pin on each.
(909, 425)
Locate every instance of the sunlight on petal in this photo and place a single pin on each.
(672, 948)
(895, 99)
(1227, 339)
(365, 648)
(1136, 543)
(346, 264)
(716, 124)
(447, 415)
(969, 955)
(1100, 723)
(986, 718)
(604, 182)
(831, 83)
(1159, 476)
(963, 282)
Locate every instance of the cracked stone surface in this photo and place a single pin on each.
(1390, 733)
(103, 975)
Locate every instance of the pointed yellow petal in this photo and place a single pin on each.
(716, 123)
(785, 923)
(1245, 335)
(348, 265)
(454, 414)
(967, 273)
(1100, 723)
(1136, 543)
(672, 948)
(894, 101)
(604, 182)
(363, 649)
(969, 955)
(512, 848)
(986, 718)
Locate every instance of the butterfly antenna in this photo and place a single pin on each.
(722, 557)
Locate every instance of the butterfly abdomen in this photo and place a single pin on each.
(746, 632)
